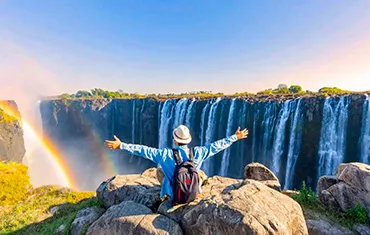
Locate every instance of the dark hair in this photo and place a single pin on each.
(180, 144)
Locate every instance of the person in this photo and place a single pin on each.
(166, 159)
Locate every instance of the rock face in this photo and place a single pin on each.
(355, 174)
(351, 186)
(84, 218)
(326, 182)
(259, 172)
(321, 227)
(11, 133)
(137, 188)
(133, 218)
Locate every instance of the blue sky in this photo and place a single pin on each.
(178, 46)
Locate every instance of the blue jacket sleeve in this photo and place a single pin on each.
(215, 147)
(152, 154)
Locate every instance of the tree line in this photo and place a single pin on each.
(282, 89)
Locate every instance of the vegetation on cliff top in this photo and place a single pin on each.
(24, 210)
(4, 117)
(282, 89)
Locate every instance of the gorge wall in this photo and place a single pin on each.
(11, 133)
(300, 139)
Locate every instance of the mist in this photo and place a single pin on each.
(24, 80)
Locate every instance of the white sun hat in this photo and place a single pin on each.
(182, 135)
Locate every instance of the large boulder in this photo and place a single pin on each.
(138, 188)
(129, 218)
(321, 227)
(355, 174)
(84, 218)
(326, 182)
(230, 206)
(349, 187)
(257, 171)
(347, 196)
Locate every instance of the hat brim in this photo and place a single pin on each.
(181, 141)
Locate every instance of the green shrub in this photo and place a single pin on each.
(357, 214)
(332, 90)
(14, 183)
(306, 195)
(296, 89)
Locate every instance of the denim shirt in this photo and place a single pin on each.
(165, 158)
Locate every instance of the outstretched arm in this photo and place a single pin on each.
(216, 147)
(152, 154)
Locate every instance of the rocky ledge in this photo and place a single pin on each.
(253, 205)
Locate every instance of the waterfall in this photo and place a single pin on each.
(365, 132)
(294, 144)
(203, 122)
(229, 132)
(279, 140)
(180, 110)
(190, 114)
(254, 133)
(133, 126)
(210, 134)
(166, 118)
(268, 124)
(333, 134)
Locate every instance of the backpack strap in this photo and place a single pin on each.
(177, 156)
(191, 155)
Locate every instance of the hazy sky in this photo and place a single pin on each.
(50, 47)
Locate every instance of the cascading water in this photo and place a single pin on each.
(279, 140)
(333, 134)
(294, 143)
(229, 132)
(210, 134)
(190, 115)
(365, 132)
(254, 148)
(268, 125)
(133, 126)
(203, 122)
(180, 110)
(166, 118)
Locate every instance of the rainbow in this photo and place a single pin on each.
(62, 170)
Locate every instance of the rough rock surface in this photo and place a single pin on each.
(326, 182)
(347, 196)
(362, 229)
(230, 206)
(11, 133)
(84, 218)
(350, 187)
(129, 218)
(321, 227)
(138, 188)
(257, 171)
(355, 174)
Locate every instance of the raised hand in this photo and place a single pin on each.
(115, 144)
(241, 134)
